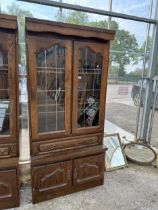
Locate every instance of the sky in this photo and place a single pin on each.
(132, 7)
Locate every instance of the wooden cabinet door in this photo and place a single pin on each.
(49, 63)
(51, 180)
(8, 88)
(88, 169)
(90, 71)
(8, 189)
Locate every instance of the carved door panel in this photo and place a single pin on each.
(50, 180)
(88, 169)
(8, 189)
(49, 62)
(90, 71)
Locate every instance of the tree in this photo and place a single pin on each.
(76, 17)
(104, 24)
(113, 71)
(136, 73)
(14, 9)
(81, 18)
(124, 47)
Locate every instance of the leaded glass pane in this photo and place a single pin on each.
(89, 87)
(4, 94)
(51, 89)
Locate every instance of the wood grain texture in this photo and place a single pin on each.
(35, 44)
(103, 49)
(9, 191)
(9, 144)
(69, 160)
(54, 180)
(56, 145)
(8, 150)
(88, 169)
(51, 178)
(68, 154)
(8, 22)
(35, 25)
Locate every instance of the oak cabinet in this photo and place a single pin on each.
(8, 113)
(67, 79)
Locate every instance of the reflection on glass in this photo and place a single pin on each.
(89, 86)
(114, 156)
(4, 95)
(51, 89)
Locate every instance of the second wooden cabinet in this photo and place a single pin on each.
(67, 74)
(9, 132)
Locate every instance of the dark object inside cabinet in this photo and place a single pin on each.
(90, 114)
(67, 74)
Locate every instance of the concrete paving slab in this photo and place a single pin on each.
(110, 128)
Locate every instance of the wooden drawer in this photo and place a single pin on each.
(8, 150)
(88, 169)
(64, 144)
(50, 180)
(8, 189)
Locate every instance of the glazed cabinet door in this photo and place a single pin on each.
(51, 180)
(49, 73)
(8, 90)
(88, 170)
(90, 72)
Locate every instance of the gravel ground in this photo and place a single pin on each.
(132, 188)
